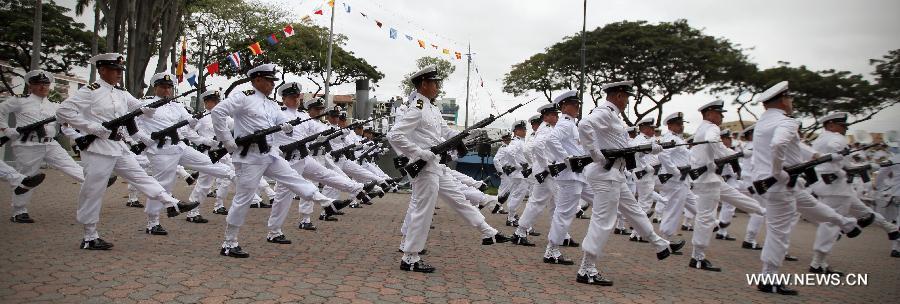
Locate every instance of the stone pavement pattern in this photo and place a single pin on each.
(356, 260)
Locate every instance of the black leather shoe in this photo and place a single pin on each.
(521, 240)
(364, 198)
(111, 181)
(156, 230)
(676, 247)
(894, 235)
(181, 207)
(779, 289)
(337, 205)
(235, 252)
(703, 264)
(685, 228)
(655, 220)
(618, 231)
(197, 219)
(650, 213)
(596, 279)
(135, 204)
(423, 252)
(29, 183)
(826, 270)
(221, 210)
(278, 240)
(724, 237)
(512, 223)
(23, 218)
(751, 246)
(853, 233)
(498, 238)
(191, 179)
(570, 243)
(418, 266)
(561, 260)
(790, 258)
(327, 217)
(579, 214)
(866, 221)
(353, 205)
(96, 244)
(496, 209)
(724, 225)
(211, 194)
(637, 239)
(533, 233)
(895, 253)
(307, 226)
(502, 198)
(267, 206)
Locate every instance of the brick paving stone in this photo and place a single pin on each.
(355, 260)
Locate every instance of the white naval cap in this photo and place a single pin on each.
(647, 121)
(535, 119)
(429, 72)
(317, 102)
(111, 60)
(621, 86)
(567, 96)
(267, 71)
(748, 130)
(210, 94)
(725, 132)
(290, 88)
(717, 105)
(518, 124)
(162, 78)
(632, 129)
(837, 117)
(548, 108)
(674, 118)
(775, 91)
(39, 76)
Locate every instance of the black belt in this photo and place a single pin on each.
(640, 174)
(829, 178)
(727, 177)
(663, 178)
(39, 139)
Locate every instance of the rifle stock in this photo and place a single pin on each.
(26, 130)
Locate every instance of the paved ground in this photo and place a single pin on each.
(356, 260)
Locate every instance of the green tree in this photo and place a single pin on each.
(444, 67)
(535, 73)
(64, 43)
(664, 60)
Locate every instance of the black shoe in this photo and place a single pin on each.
(790, 258)
(197, 219)
(96, 244)
(111, 181)
(596, 279)
(307, 226)
(853, 233)
(570, 243)
(156, 230)
(340, 212)
(364, 198)
(191, 179)
(235, 252)
(724, 237)
(655, 220)
(561, 260)
(533, 233)
(278, 240)
(579, 214)
(327, 217)
(221, 210)
(418, 266)
(29, 183)
(779, 289)
(894, 235)
(502, 198)
(703, 264)
(423, 252)
(685, 228)
(502, 212)
(512, 223)
(676, 247)
(637, 239)
(22, 219)
(267, 206)
(379, 193)
(135, 204)
(751, 246)
(866, 221)
(826, 270)
(618, 231)
(498, 238)
(496, 209)
(211, 194)
(181, 207)
(521, 240)
(895, 253)
(333, 208)
(353, 205)
(724, 225)
(650, 213)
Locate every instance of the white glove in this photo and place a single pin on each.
(192, 122)
(781, 175)
(148, 111)
(209, 142)
(425, 155)
(748, 153)
(146, 140)
(11, 133)
(231, 146)
(99, 130)
(287, 127)
(836, 157)
(655, 148)
(875, 167)
(598, 157)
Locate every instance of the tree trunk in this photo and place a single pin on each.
(142, 30)
(171, 30)
(95, 41)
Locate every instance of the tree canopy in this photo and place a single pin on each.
(444, 68)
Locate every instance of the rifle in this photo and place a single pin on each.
(807, 169)
(367, 154)
(300, 145)
(25, 131)
(344, 152)
(171, 132)
(684, 172)
(126, 120)
(720, 163)
(258, 138)
(457, 140)
(578, 163)
(508, 170)
(861, 171)
(324, 146)
(526, 171)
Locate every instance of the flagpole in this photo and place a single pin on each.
(468, 71)
(328, 62)
(581, 80)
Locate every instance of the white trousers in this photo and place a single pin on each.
(29, 160)
(567, 199)
(97, 170)
(708, 197)
(247, 177)
(645, 191)
(10, 175)
(518, 188)
(357, 172)
(541, 195)
(372, 167)
(680, 199)
(781, 210)
(164, 170)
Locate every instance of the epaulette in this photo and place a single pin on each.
(249, 92)
(120, 87)
(284, 108)
(611, 109)
(22, 95)
(419, 104)
(94, 86)
(148, 97)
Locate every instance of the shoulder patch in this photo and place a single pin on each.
(93, 86)
(249, 92)
(419, 104)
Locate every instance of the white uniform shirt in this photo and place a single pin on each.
(165, 116)
(705, 155)
(603, 129)
(94, 104)
(419, 128)
(252, 111)
(644, 161)
(28, 110)
(562, 144)
(831, 142)
(775, 137)
(671, 159)
(538, 148)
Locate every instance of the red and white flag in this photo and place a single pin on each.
(288, 31)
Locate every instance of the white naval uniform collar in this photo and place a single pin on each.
(610, 105)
